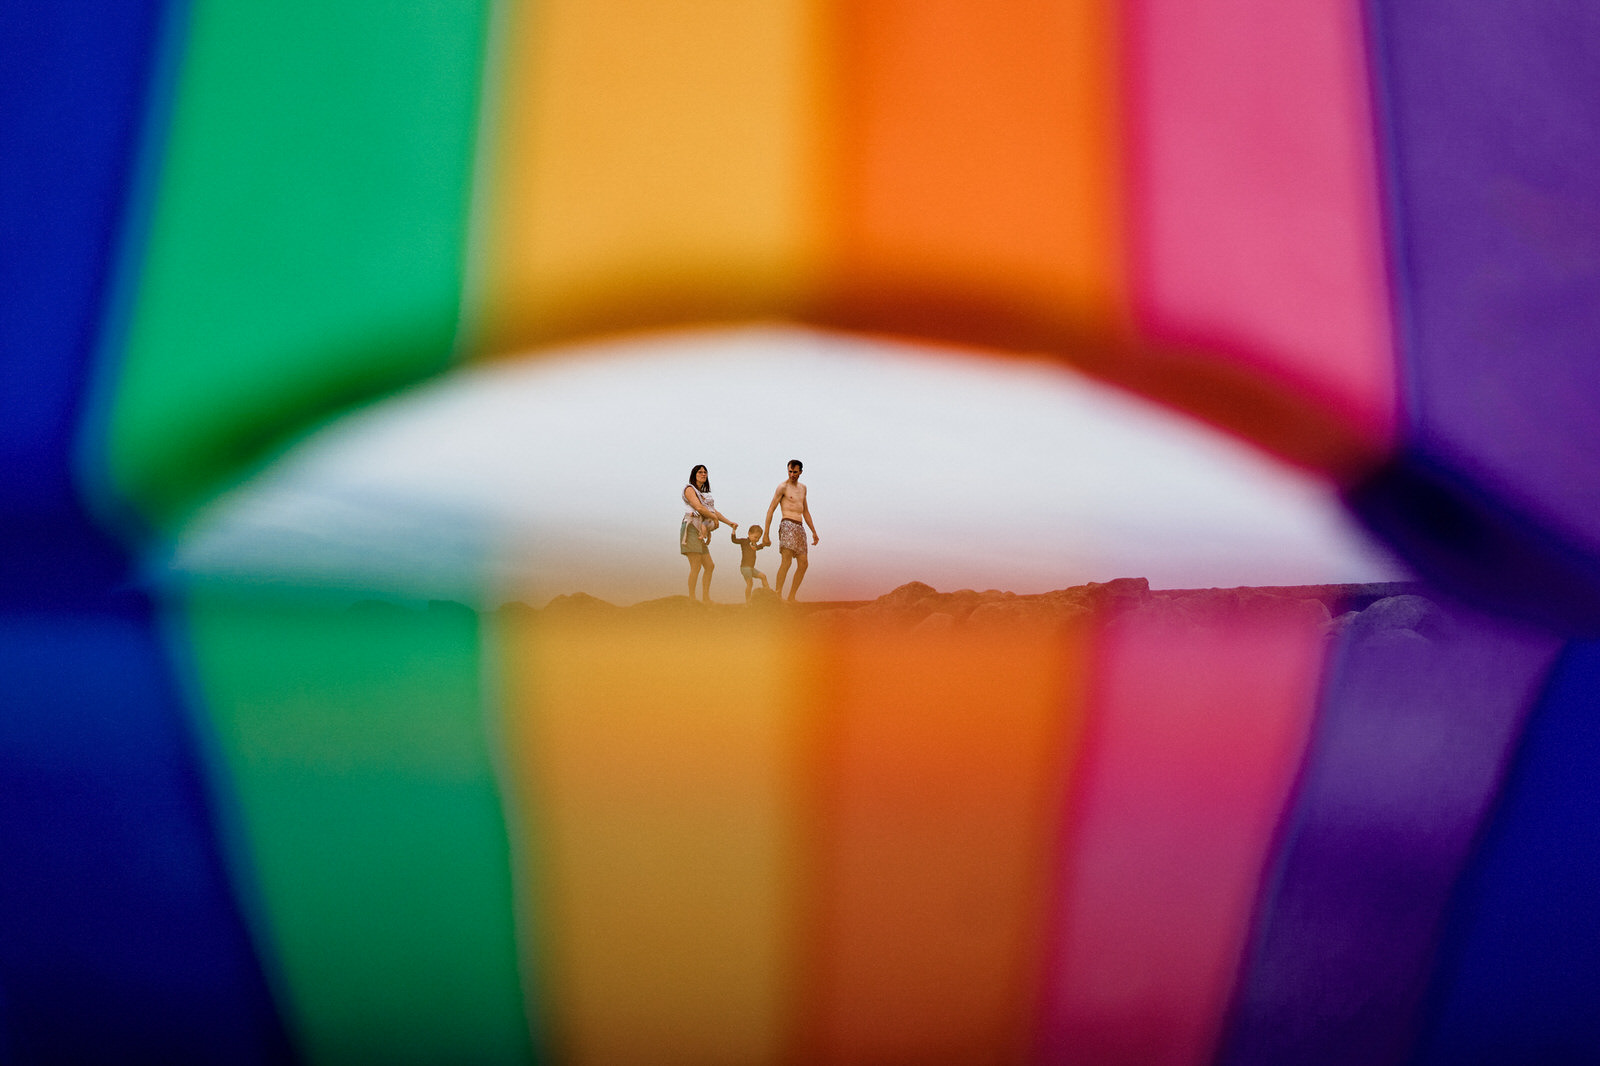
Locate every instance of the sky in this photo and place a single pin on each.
(562, 471)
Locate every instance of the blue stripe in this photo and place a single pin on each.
(120, 936)
(1519, 978)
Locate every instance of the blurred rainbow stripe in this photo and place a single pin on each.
(981, 173)
(766, 840)
(1366, 237)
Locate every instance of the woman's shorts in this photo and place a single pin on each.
(689, 542)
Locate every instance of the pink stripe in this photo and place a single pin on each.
(1254, 202)
(1193, 741)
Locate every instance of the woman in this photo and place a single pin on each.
(694, 536)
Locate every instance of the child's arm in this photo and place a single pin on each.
(734, 537)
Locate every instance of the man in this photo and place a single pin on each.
(791, 497)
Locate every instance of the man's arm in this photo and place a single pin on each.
(766, 528)
(805, 509)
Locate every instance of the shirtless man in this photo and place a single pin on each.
(791, 496)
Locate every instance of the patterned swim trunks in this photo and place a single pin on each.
(791, 536)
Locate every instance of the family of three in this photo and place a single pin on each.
(702, 516)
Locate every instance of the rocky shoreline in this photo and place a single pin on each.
(918, 606)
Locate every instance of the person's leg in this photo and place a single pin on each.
(763, 578)
(748, 585)
(705, 579)
(783, 568)
(800, 565)
(694, 571)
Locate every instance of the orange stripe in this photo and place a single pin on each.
(937, 770)
(976, 170)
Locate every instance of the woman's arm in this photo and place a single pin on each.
(692, 498)
(711, 512)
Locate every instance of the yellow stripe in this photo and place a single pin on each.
(656, 761)
(655, 163)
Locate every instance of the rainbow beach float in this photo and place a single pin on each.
(1116, 826)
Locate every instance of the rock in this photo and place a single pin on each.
(907, 604)
(1359, 597)
(997, 613)
(1069, 612)
(1202, 606)
(666, 605)
(1316, 611)
(1168, 617)
(451, 608)
(765, 599)
(1271, 608)
(377, 609)
(1024, 612)
(1074, 597)
(961, 602)
(1338, 625)
(1409, 611)
(580, 602)
(1395, 612)
(907, 595)
(1403, 643)
(1117, 594)
(516, 609)
(1117, 586)
(938, 622)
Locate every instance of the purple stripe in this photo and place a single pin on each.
(1492, 120)
(1421, 709)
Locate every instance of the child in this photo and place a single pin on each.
(747, 561)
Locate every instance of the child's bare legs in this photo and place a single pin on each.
(749, 585)
(763, 578)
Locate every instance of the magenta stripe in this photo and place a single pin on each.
(1254, 201)
(1194, 737)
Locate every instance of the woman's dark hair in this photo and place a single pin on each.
(699, 466)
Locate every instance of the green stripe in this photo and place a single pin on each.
(308, 238)
(357, 745)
